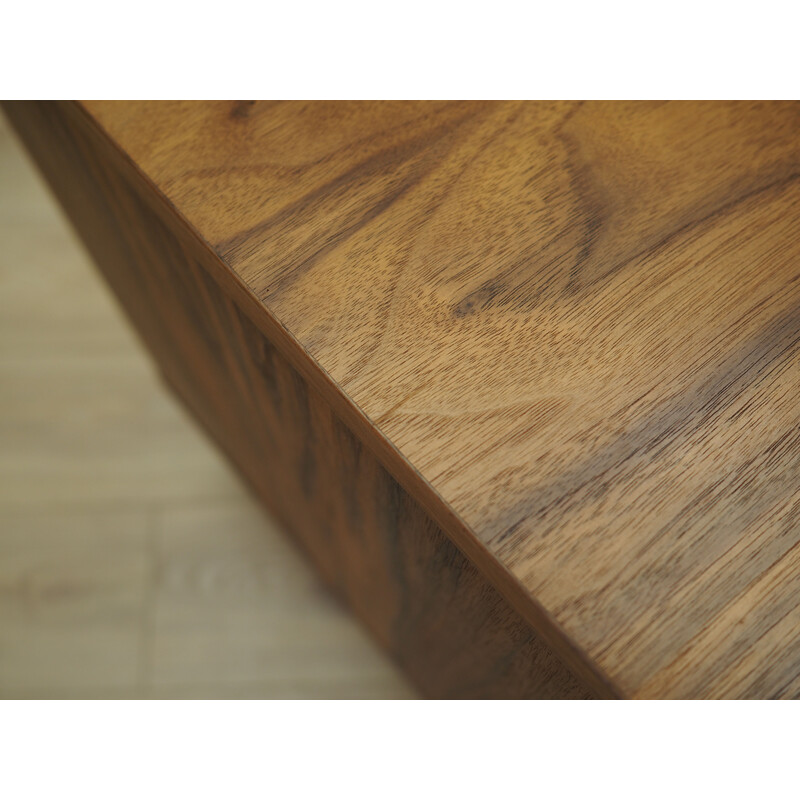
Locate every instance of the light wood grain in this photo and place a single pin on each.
(133, 563)
(569, 330)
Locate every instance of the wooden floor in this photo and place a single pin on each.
(132, 561)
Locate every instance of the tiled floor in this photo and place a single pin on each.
(132, 561)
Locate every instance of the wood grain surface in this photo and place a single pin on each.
(570, 332)
(450, 630)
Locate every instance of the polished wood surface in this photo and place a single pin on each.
(569, 331)
(451, 631)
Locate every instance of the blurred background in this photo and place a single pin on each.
(133, 562)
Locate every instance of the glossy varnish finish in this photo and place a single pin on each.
(570, 331)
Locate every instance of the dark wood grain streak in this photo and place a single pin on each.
(373, 543)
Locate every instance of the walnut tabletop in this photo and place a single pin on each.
(523, 378)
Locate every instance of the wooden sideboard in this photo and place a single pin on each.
(523, 379)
